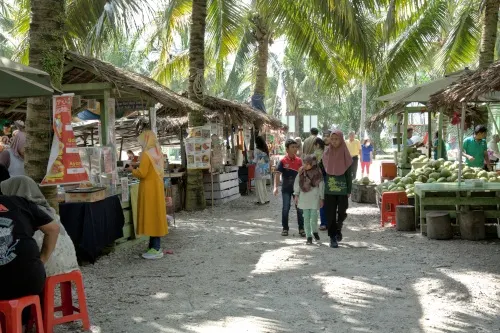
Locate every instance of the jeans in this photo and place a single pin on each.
(336, 212)
(310, 221)
(322, 217)
(287, 203)
(155, 243)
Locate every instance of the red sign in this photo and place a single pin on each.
(65, 165)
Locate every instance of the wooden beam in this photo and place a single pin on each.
(14, 105)
(86, 86)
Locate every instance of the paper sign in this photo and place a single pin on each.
(65, 165)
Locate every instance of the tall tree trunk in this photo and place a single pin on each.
(46, 52)
(363, 111)
(489, 23)
(195, 196)
(262, 36)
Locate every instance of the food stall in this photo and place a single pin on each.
(429, 182)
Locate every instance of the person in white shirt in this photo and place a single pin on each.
(493, 148)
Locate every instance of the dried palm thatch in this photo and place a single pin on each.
(234, 113)
(392, 109)
(82, 69)
(472, 87)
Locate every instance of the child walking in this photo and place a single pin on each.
(337, 162)
(288, 168)
(309, 192)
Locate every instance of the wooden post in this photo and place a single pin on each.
(104, 140)
(398, 135)
(460, 143)
(121, 148)
(440, 134)
(405, 137)
(152, 120)
(429, 132)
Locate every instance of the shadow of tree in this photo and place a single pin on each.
(236, 274)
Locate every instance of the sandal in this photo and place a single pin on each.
(302, 233)
(284, 233)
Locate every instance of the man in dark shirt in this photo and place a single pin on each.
(288, 168)
(22, 271)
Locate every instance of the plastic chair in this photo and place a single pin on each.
(388, 209)
(251, 175)
(13, 309)
(69, 312)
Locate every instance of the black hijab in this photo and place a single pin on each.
(4, 174)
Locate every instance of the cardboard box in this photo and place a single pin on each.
(86, 195)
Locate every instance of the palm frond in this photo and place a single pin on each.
(462, 43)
(411, 48)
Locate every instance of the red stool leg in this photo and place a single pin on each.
(82, 302)
(48, 305)
(66, 298)
(39, 320)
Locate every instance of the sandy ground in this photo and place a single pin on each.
(232, 271)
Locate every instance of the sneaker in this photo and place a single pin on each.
(153, 254)
(333, 243)
(309, 240)
(316, 236)
(339, 236)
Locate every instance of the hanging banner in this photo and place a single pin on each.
(65, 165)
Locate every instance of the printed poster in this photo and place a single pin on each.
(65, 165)
(198, 152)
(199, 147)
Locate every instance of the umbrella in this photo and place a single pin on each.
(18, 81)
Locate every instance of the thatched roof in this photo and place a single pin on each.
(82, 69)
(130, 86)
(478, 87)
(392, 109)
(232, 113)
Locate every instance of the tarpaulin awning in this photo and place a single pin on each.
(17, 81)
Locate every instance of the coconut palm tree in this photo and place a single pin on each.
(195, 198)
(52, 25)
(489, 21)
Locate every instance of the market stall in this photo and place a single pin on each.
(403, 104)
(433, 183)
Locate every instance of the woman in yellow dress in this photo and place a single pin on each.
(151, 207)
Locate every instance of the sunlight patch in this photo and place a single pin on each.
(249, 324)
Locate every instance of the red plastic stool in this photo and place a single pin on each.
(69, 312)
(388, 208)
(13, 309)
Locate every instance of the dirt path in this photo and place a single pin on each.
(231, 271)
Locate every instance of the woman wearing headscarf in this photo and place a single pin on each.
(13, 157)
(63, 259)
(151, 207)
(337, 162)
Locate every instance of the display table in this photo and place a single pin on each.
(93, 225)
(451, 197)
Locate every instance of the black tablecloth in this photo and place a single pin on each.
(93, 225)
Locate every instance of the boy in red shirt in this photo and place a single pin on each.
(288, 168)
